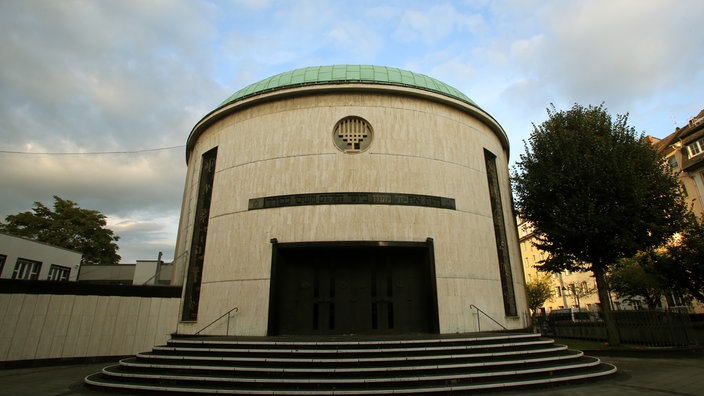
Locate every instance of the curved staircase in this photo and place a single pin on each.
(352, 366)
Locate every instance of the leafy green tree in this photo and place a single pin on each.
(686, 269)
(595, 191)
(539, 290)
(67, 226)
(638, 278)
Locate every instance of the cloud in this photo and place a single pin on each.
(615, 50)
(357, 39)
(87, 76)
(436, 23)
(108, 73)
(634, 56)
(130, 189)
(82, 76)
(142, 236)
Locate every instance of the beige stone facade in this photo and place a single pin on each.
(280, 143)
(574, 289)
(569, 289)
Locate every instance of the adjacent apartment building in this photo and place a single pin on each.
(569, 289)
(684, 151)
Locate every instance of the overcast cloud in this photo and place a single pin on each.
(128, 77)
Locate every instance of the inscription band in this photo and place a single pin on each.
(351, 198)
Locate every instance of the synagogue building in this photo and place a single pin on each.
(349, 199)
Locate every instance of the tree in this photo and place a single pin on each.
(595, 191)
(67, 226)
(539, 290)
(638, 278)
(687, 254)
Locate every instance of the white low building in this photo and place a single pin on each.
(26, 259)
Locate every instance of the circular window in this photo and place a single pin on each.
(352, 134)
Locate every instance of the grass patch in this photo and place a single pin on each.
(591, 345)
(582, 345)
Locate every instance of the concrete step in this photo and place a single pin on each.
(433, 363)
(384, 366)
(184, 346)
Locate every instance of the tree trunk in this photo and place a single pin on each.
(603, 290)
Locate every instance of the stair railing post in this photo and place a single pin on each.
(479, 325)
(485, 314)
(229, 315)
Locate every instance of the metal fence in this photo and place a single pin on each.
(654, 328)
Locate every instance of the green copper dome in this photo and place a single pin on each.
(348, 74)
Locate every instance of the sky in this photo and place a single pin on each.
(97, 97)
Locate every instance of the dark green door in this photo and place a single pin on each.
(352, 290)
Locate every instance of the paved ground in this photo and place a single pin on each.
(636, 376)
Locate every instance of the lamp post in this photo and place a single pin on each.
(562, 289)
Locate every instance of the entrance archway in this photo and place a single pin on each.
(331, 288)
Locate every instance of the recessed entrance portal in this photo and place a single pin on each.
(353, 288)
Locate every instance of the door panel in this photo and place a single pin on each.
(352, 290)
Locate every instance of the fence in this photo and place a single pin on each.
(654, 328)
(42, 320)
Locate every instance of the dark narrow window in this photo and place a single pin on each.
(200, 232)
(497, 213)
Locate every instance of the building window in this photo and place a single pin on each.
(58, 273)
(558, 291)
(695, 148)
(352, 134)
(505, 273)
(191, 297)
(2, 263)
(672, 163)
(26, 269)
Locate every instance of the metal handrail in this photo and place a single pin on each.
(235, 309)
(479, 328)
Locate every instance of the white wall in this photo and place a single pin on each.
(46, 326)
(14, 247)
(117, 273)
(144, 272)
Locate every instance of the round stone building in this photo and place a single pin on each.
(348, 199)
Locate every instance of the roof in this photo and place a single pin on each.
(682, 138)
(344, 77)
(348, 74)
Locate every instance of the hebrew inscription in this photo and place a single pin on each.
(351, 198)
